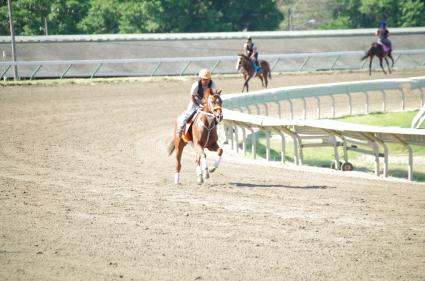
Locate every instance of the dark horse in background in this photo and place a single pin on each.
(378, 50)
(248, 72)
(203, 133)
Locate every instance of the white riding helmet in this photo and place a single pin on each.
(205, 74)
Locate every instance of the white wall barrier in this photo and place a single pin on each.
(405, 93)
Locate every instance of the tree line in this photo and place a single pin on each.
(38, 17)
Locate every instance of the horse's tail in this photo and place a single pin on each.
(266, 68)
(366, 55)
(369, 52)
(171, 147)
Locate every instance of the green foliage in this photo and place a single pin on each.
(395, 119)
(412, 13)
(137, 16)
(146, 16)
(102, 17)
(342, 22)
(65, 15)
(337, 14)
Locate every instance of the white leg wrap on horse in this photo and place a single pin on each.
(198, 170)
(217, 162)
(177, 178)
(204, 163)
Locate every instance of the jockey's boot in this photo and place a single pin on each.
(257, 68)
(180, 130)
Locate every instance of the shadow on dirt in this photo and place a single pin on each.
(250, 185)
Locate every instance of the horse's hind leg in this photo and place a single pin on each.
(180, 144)
(370, 65)
(262, 80)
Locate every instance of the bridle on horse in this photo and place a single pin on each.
(214, 113)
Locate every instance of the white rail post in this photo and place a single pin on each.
(254, 144)
(410, 156)
(266, 108)
(236, 139)
(350, 104)
(384, 101)
(244, 141)
(333, 106)
(282, 147)
(318, 107)
(267, 145)
(291, 109)
(366, 106)
(258, 109)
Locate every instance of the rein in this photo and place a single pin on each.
(210, 115)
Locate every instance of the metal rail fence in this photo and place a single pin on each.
(179, 66)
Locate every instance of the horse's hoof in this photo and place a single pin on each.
(212, 170)
(200, 180)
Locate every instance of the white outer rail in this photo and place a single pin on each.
(331, 133)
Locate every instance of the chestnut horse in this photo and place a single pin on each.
(248, 72)
(378, 50)
(203, 133)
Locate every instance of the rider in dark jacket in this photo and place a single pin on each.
(250, 50)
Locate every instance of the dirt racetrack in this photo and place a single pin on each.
(87, 193)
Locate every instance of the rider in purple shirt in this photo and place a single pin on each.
(383, 34)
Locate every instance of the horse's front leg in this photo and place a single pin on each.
(217, 161)
(201, 164)
(388, 65)
(382, 66)
(245, 85)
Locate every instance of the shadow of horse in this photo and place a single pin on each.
(251, 185)
(203, 134)
(378, 51)
(245, 64)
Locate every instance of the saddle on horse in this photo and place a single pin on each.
(386, 47)
(256, 66)
(187, 134)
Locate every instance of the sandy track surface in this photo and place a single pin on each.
(87, 194)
